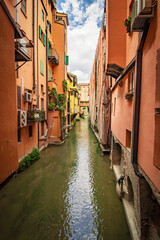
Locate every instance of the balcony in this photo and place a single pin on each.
(35, 115)
(23, 50)
(141, 11)
(114, 70)
(53, 57)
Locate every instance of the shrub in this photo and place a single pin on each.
(29, 159)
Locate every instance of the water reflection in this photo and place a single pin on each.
(68, 194)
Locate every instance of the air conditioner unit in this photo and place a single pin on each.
(141, 11)
(145, 6)
(27, 97)
(22, 118)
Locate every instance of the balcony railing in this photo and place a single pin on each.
(53, 57)
(23, 50)
(35, 115)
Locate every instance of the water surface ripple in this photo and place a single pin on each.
(68, 194)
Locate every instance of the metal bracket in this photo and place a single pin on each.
(18, 3)
(20, 65)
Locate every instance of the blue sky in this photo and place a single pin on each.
(83, 31)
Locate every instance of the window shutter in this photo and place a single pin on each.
(40, 32)
(67, 60)
(48, 47)
(18, 97)
(49, 78)
(42, 68)
(51, 51)
(44, 40)
(42, 15)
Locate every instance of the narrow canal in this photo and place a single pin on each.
(68, 194)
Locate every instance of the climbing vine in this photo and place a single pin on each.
(64, 84)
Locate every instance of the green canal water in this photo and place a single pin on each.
(68, 194)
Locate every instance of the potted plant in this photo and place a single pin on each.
(127, 23)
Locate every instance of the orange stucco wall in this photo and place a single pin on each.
(59, 72)
(121, 112)
(116, 42)
(149, 101)
(8, 119)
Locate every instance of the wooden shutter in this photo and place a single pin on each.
(67, 60)
(44, 40)
(40, 32)
(48, 47)
(18, 97)
(42, 68)
(49, 75)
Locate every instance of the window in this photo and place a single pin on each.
(41, 88)
(19, 135)
(18, 97)
(42, 104)
(23, 6)
(42, 129)
(60, 18)
(131, 81)
(30, 131)
(128, 138)
(42, 15)
(42, 68)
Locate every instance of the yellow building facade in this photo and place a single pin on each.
(72, 99)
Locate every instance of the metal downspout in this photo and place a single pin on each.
(137, 100)
(37, 72)
(47, 75)
(34, 85)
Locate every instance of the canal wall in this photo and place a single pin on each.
(140, 197)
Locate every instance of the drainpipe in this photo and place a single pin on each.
(17, 65)
(34, 45)
(37, 71)
(47, 74)
(137, 99)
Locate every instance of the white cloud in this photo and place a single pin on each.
(83, 34)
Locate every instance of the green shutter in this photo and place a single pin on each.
(48, 47)
(49, 75)
(42, 15)
(51, 51)
(67, 60)
(44, 40)
(40, 32)
(42, 68)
